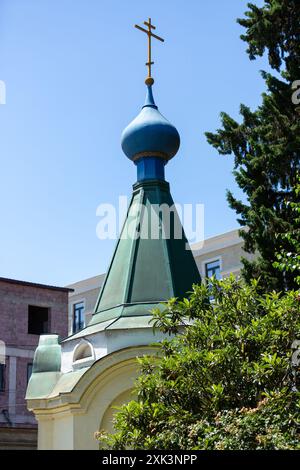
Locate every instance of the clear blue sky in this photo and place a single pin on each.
(74, 72)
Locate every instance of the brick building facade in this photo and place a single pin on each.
(26, 311)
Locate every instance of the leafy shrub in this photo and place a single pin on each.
(223, 382)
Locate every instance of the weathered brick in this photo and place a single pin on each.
(14, 301)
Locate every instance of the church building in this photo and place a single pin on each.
(76, 382)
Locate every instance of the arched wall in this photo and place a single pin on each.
(70, 420)
(107, 419)
(100, 396)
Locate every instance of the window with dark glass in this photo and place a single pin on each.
(29, 371)
(2, 377)
(78, 316)
(38, 321)
(213, 268)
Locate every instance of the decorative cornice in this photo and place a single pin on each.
(148, 183)
(139, 155)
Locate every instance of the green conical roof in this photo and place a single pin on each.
(152, 261)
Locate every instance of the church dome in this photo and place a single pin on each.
(150, 134)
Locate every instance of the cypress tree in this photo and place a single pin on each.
(266, 143)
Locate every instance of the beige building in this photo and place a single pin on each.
(219, 255)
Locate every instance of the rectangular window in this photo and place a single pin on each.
(29, 371)
(2, 377)
(78, 316)
(37, 320)
(213, 268)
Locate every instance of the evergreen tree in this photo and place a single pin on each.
(266, 143)
(290, 261)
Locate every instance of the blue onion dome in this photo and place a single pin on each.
(150, 134)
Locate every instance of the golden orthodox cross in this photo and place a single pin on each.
(149, 80)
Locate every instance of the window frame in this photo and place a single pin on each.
(29, 365)
(82, 324)
(48, 319)
(2, 377)
(211, 260)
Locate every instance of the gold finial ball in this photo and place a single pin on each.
(149, 81)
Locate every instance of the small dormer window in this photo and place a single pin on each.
(83, 351)
(83, 355)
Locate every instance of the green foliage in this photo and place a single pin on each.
(266, 143)
(290, 261)
(223, 382)
(274, 28)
